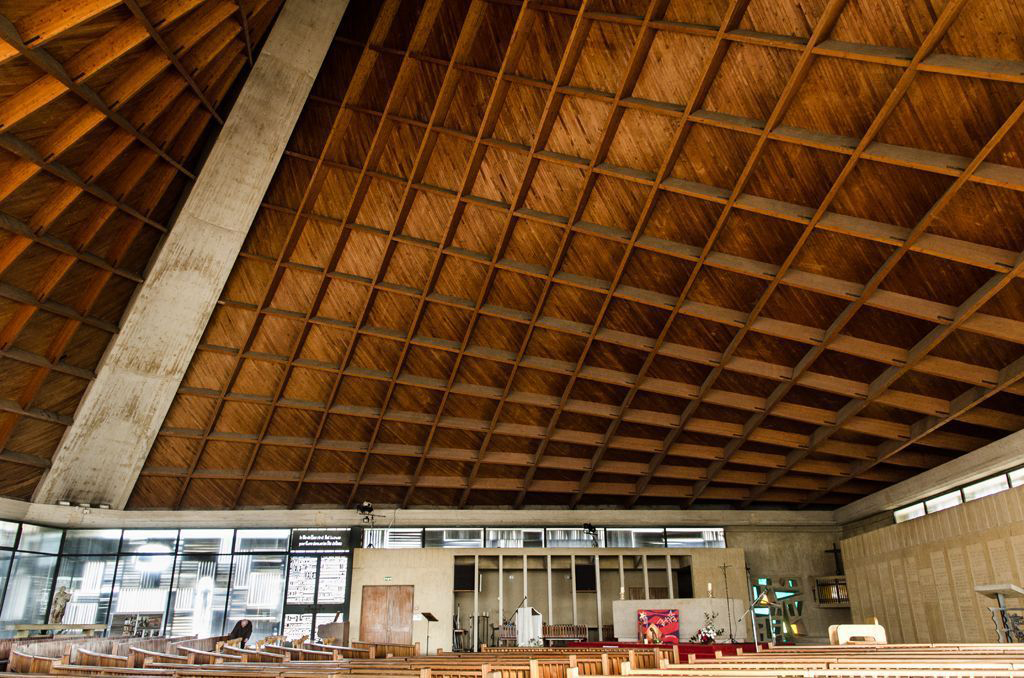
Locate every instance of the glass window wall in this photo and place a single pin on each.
(27, 597)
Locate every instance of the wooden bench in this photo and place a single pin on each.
(81, 670)
(89, 658)
(381, 650)
(196, 656)
(340, 651)
(300, 653)
(255, 656)
(141, 657)
(20, 661)
(552, 633)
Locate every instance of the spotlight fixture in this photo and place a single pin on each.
(365, 509)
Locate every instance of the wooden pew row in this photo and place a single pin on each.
(300, 653)
(142, 658)
(414, 667)
(383, 650)
(669, 652)
(254, 656)
(340, 651)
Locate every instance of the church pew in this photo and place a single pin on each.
(84, 670)
(340, 651)
(207, 644)
(196, 656)
(20, 661)
(90, 658)
(255, 656)
(38, 656)
(381, 650)
(141, 657)
(300, 653)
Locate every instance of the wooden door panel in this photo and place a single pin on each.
(400, 618)
(386, 614)
(373, 615)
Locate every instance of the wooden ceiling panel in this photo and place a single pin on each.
(750, 80)
(640, 141)
(794, 19)
(902, 26)
(794, 174)
(629, 252)
(730, 150)
(577, 127)
(841, 97)
(949, 114)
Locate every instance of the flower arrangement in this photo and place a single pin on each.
(708, 632)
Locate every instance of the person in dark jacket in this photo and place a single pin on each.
(242, 629)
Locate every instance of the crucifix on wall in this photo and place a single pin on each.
(837, 553)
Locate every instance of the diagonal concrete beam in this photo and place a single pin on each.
(102, 452)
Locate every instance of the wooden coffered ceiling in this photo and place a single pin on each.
(624, 252)
(104, 106)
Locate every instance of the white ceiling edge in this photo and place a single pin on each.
(73, 516)
(996, 457)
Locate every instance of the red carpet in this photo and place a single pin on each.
(702, 651)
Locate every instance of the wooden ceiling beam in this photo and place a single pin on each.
(244, 20)
(383, 22)
(938, 334)
(913, 307)
(471, 23)
(23, 236)
(53, 19)
(570, 55)
(140, 14)
(874, 427)
(492, 110)
(29, 358)
(796, 77)
(883, 353)
(146, 68)
(45, 62)
(32, 158)
(680, 451)
(882, 115)
(37, 413)
(129, 178)
(945, 368)
(638, 54)
(990, 418)
(948, 64)
(993, 174)
(482, 484)
(944, 247)
(97, 55)
(20, 296)
(964, 404)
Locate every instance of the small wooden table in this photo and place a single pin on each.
(23, 630)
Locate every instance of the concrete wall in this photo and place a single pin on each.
(793, 552)
(431, 572)
(918, 577)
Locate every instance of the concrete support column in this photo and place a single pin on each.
(476, 602)
(102, 452)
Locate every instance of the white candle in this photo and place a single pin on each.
(709, 589)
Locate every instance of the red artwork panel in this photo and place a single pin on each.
(658, 626)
